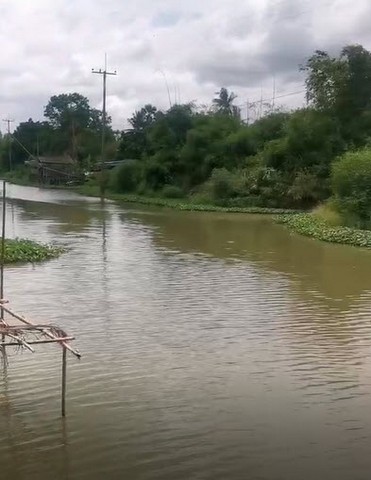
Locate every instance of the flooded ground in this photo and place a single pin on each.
(214, 347)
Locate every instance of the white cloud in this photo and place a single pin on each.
(49, 47)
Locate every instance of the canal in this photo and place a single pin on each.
(215, 346)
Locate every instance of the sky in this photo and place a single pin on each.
(166, 51)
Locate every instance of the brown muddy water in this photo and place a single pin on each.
(214, 347)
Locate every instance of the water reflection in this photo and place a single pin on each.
(333, 273)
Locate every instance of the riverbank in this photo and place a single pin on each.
(309, 225)
(306, 224)
(184, 204)
(28, 251)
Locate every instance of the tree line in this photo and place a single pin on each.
(208, 155)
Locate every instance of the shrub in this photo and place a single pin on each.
(126, 177)
(351, 186)
(155, 175)
(305, 189)
(172, 191)
(327, 213)
(224, 184)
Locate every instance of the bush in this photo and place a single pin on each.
(351, 186)
(126, 177)
(172, 191)
(155, 175)
(224, 184)
(305, 189)
(327, 213)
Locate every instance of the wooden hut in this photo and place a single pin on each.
(53, 170)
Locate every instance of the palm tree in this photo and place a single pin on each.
(224, 102)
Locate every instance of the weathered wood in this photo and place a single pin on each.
(44, 331)
(64, 375)
(36, 342)
(20, 342)
(2, 252)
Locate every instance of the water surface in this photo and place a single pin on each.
(214, 347)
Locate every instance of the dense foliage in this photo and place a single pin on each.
(208, 156)
(282, 160)
(351, 184)
(71, 127)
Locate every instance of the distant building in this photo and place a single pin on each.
(53, 170)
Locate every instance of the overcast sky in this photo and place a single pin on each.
(50, 46)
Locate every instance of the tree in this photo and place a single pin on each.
(134, 142)
(224, 103)
(69, 109)
(76, 124)
(32, 138)
(326, 80)
(143, 118)
(341, 85)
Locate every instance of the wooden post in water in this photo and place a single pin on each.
(2, 253)
(64, 375)
(2, 261)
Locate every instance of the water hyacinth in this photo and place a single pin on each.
(196, 207)
(311, 226)
(28, 251)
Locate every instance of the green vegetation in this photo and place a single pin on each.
(312, 226)
(207, 158)
(185, 204)
(27, 251)
(351, 184)
(71, 126)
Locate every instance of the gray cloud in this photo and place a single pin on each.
(196, 47)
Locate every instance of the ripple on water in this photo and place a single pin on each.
(198, 363)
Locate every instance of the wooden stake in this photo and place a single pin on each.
(64, 374)
(2, 253)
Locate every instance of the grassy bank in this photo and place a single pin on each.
(311, 226)
(183, 204)
(27, 251)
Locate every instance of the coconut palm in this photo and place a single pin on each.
(224, 102)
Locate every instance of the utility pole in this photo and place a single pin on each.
(8, 121)
(104, 73)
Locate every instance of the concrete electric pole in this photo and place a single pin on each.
(104, 73)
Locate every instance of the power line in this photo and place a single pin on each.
(104, 73)
(276, 97)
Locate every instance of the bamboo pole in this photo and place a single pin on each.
(20, 341)
(2, 261)
(34, 342)
(2, 253)
(64, 374)
(44, 331)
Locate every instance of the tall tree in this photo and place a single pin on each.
(341, 84)
(77, 124)
(223, 103)
(143, 118)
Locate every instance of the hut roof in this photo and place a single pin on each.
(55, 160)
